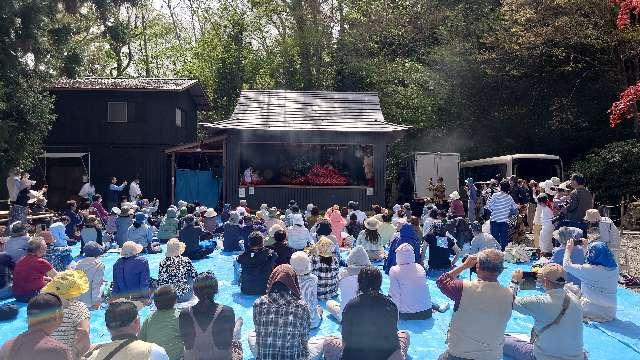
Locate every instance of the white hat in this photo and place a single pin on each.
(210, 213)
(182, 203)
(264, 207)
(241, 211)
(129, 248)
(175, 248)
(372, 223)
(556, 181)
(396, 207)
(300, 262)
(549, 188)
(566, 186)
(454, 195)
(116, 210)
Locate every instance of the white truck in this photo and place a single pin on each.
(430, 166)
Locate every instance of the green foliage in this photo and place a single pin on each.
(612, 171)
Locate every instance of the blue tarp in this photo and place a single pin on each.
(619, 339)
(196, 185)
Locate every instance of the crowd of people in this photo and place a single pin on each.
(292, 260)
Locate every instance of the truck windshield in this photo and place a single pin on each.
(537, 169)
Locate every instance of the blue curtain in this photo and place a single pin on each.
(195, 185)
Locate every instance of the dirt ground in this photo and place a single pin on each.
(631, 242)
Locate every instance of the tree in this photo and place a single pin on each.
(35, 49)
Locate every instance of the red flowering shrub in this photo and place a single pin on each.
(626, 106)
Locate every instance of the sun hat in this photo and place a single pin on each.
(92, 249)
(555, 181)
(210, 213)
(234, 217)
(140, 217)
(125, 211)
(129, 249)
(175, 248)
(18, 228)
(264, 207)
(241, 211)
(325, 247)
(454, 196)
(372, 223)
(182, 203)
(68, 284)
(396, 207)
(593, 215)
(116, 210)
(550, 188)
(297, 219)
(172, 213)
(552, 272)
(565, 186)
(201, 209)
(300, 262)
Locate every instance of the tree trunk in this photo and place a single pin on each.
(174, 21)
(145, 44)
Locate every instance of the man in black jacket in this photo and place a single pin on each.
(256, 263)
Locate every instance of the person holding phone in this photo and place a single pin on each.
(557, 315)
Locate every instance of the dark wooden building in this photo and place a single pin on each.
(314, 146)
(118, 127)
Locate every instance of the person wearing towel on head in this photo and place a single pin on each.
(406, 235)
(301, 263)
(599, 281)
(557, 316)
(298, 235)
(408, 286)
(74, 330)
(348, 280)
(168, 226)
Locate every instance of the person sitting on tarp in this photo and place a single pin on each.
(169, 225)
(256, 264)
(232, 233)
(190, 235)
(131, 274)
(6, 268)
(557, 315)
(140, 233)
(406, 235)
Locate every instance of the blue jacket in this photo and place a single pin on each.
(406, 235)
(140, 235)
(122, 227)
(75, 219)
(131, 277)
(232, 236)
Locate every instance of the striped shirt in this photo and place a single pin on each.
(73, 314)
(501, 205)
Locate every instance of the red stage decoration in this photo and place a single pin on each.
(326, 176)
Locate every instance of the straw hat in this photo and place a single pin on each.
(325, 247)
(129, 249)
(593, 216)
(210, 213)
(68, 284)
(175, 248)
(372, 223)
(454, 196)
(300, 262)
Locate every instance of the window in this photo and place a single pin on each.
(117, 112)
(180, 117)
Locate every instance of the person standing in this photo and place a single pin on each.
(134, 190)
(473, 198)
(502, 206)
(113, 192)
(44, 316)
(87, 191)
(13, 184)
(123, 323)
(557, 314)
(580, 200)
(481, 308)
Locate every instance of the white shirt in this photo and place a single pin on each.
(598, 285)
(158, 353)
(87, 191)
(13, 186)
(134, 191)
(360, 215)
(546, 216)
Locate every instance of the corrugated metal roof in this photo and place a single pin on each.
(137, 84)
(307, 110)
